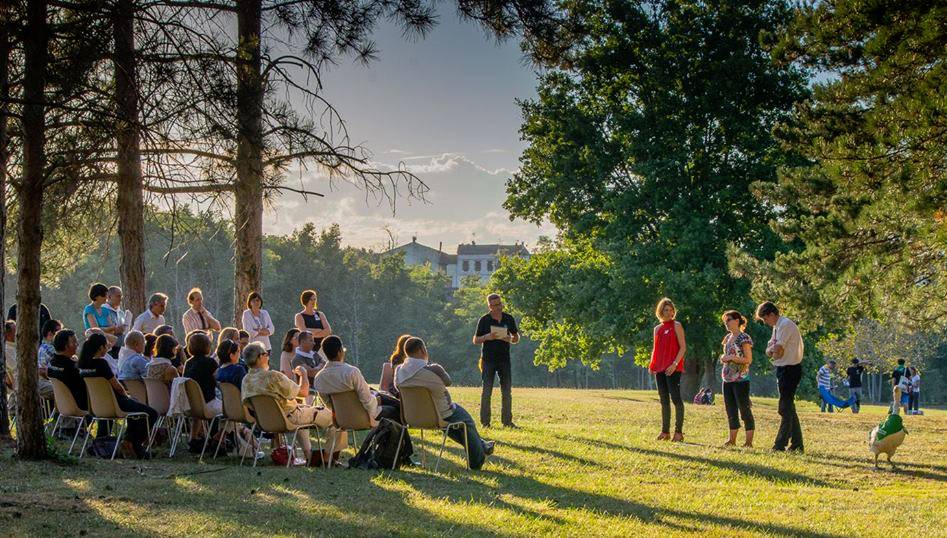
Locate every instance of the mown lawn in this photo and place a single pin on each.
(584, 463)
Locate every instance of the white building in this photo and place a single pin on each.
(471, 259)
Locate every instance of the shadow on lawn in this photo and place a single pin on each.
(748, 469)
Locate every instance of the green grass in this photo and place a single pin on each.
(584, 463)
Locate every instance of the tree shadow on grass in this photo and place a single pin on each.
(744, 468)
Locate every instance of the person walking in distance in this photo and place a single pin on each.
(785, 348)
(496, 331)
(667, 364)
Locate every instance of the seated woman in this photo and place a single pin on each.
(387, 383)
(230, 371)
(290, 341)
(161, 366)
(92, 364)
(97, 315)
(150, 340)
(201, 368)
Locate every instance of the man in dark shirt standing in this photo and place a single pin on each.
(496, 331)
(854, 373)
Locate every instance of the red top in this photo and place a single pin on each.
(666, 348)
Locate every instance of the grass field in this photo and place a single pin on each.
(583, 463)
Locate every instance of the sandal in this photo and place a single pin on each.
(678, 438)
(663, 437)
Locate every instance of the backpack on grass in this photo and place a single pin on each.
(379, 447)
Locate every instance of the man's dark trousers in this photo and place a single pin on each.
(790, 432)
(491, 370)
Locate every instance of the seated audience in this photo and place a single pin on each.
(198, 318)
(92, 364)
(387, 383)
(180, 357)
(44, 355)
(230, 371)
(243, 338)
(260, 380)
(290, 342)
(201, 368)
(417, 371)
(150, 340)
(97, 315)
(162, 366)
(135, 365)
(112, 361)
(152, 318)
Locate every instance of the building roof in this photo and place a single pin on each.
(493, 249)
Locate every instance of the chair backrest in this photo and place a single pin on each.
(136, 389)
(269, 414)
(65, 401)
(348, 412)
(233, 405)
(418, 409)
(387, 376)
(159, 395)
(195, 398)
(102, 401)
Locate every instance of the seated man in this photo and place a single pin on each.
(133, 365)
(416, 371)
(64, 368)
(44, 355)
(337, 376)
(306, 355)
(260, 380)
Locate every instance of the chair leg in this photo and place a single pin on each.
(244, 455)
(291, 452)
(76, 435)
(223, 434)
(331, 450)
(441, 452)
(208, 429)
(398, 450)
(121, 433)
(178, 431)
(258, 442)
(56, 426)
(88, 432)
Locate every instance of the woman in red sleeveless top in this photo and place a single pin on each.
(667, 363)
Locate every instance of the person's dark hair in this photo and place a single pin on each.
(901, 362)
(397, 354)
(90, 347)
(198, 344)
(8, 326)
(150, 340)
(307, 296)
(166, 347)
(734, 314)
(61, 340)
(288, 339)
(332, 347)
(413, 346)
(304, 335)
(98, 290)
(254, 295)
(854, 361)
(243, 334)
(51, 326)
(766, 308)
(225, 349)
(163, 330)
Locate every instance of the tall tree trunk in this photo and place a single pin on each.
(248, 195)
(130, 203)
(31, 441)
(4, 159)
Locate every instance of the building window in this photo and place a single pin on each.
(466, 265)
(477, 266)
(490, 265)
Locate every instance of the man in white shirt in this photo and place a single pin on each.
(119, 316)
(785, 349)
(338, 376)
(151, 319)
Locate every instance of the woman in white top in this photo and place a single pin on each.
(198, 318)
(256, 321)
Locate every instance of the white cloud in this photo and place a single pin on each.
(464, 202)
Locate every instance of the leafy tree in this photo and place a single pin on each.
(643, 143)
(869, 203)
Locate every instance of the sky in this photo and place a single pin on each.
(445, 108)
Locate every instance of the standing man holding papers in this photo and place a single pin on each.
(496, 331)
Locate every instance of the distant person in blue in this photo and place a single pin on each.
(97, 315)
(496, 331)
(824, 380)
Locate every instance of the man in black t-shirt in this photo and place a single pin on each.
(63, 366)
(496, 331)
(854, 373)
